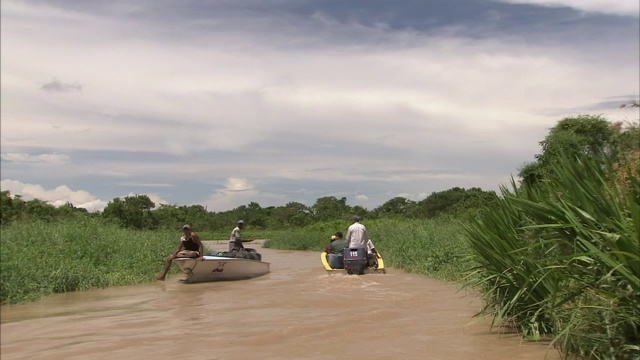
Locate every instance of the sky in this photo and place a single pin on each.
(222, 103)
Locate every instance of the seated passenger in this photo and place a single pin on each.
(334, 251)
(372, 255)
(190, 247)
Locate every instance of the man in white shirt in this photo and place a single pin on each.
(236, 240)
(357, 233)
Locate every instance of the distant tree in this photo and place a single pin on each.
(39, 209)
(11, 208)
(69, 211)
(132, 212)
(454, 201)
(440, 202)
(362, 212)
(256, 215)
(398, 206)
(292, 214)
(330, 208)
(583, 135)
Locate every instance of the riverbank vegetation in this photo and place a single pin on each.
(555, 255)
(560, 255)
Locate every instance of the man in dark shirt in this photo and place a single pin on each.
(190, 247)
(337, 244)
(335, 250)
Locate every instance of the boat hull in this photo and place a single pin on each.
(367, 270)
(218, 268)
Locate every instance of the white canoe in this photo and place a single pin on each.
(218, 268)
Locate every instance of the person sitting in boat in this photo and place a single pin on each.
(335, 251)
(236, 240)
(337, 244)
(190, 247)
(372, 255)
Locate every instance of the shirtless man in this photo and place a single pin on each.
(190, 247)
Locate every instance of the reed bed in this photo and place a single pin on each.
(42, 258)
(562, 260)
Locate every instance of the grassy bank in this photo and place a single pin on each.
(41, 258)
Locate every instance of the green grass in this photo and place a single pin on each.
(41, 258)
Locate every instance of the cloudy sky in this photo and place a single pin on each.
(221, 103)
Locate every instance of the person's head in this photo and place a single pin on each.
(355, 218)
(186, 229)
(333, 237)
(240, 223)
(338, 235)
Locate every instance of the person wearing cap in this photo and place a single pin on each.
(337, 244)
(356, 233)
(190, 247)
(335, 251)
(236, 240)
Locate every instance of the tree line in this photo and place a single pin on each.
(140, 212)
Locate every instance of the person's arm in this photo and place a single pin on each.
(241, 239)
(197, 240)
(177, 250)
(348, 237)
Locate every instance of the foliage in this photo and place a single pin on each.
(132, 212)
(15, 208)
(453, 201)
(563, 259)
(329, 208)
(585, 135)
(38, 258)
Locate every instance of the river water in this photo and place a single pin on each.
(298, 311)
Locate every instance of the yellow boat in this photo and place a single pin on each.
(379, 269)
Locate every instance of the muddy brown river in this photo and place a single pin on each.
(298, 311)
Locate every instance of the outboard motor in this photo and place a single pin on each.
(355, 260)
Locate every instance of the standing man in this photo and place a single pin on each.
(356, 233)
(190, 247)
(236, 240)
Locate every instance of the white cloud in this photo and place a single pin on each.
(618, 7)
(55, 159)
(239, 191)
(57, 197)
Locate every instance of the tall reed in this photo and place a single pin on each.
(41, 258)
(562, 259)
